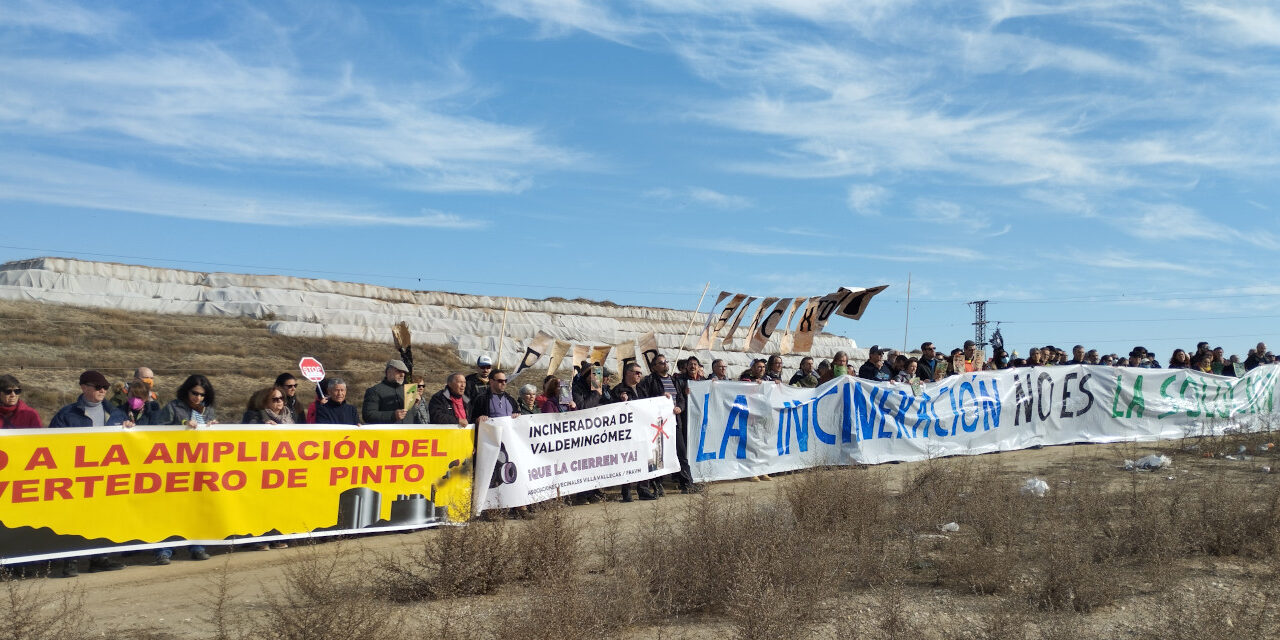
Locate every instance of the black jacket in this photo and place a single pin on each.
(440, 407)
(331, 412)
(475, 386)
(381, 401)
(651, 387)
(869, 371)
(615, 395)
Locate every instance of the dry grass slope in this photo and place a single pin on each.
(47, 346)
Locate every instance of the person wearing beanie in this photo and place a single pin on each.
(91, 409)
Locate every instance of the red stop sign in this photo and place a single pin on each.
(311, 369)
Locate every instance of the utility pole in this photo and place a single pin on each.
(980, 322)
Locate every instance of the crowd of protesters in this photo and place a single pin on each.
(483, 394)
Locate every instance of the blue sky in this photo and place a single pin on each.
(1104, 172)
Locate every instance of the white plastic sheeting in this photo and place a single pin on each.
(325, 308)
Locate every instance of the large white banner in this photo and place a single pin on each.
(538, 457)
(743, 429)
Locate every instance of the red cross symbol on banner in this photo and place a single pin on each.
(657, 427)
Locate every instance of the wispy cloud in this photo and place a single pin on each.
(866, 199)
(198, 103)
(1252, 23)
(58, 16)
(1163, 222)
(754, 249)
(46, 180)
(699, 196)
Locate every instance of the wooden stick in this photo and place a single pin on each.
(906, 322)
(502, 336)
(692, 318)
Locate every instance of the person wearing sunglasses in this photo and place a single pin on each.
(91, 409)
(193, 407)
(494, 402)
(266, 406)
(289, 383)
(14, 413)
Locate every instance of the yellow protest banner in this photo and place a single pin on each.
(67, 491)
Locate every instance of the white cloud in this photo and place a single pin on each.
(46, 180)
(199, 104)
(1117, 260)
(1165, 222)
(1250, 23)
(717, 199)
(58, 16)
(866, 199)
(699, 195)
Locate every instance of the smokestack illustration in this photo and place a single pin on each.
(359, 507)
(504, 471)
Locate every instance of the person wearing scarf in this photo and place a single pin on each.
(14, 413)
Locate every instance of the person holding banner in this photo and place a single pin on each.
(266, 406)
(14, 413)
(194, 406)
(448, 406)
(773, 369)
(289, 383)
(840, 365)
(719, 370)
(91, 409)
(528, 402)
(335, 410)
(875, 368)
(551, 397)
(139, 405)
(626, 391)
(805, 377)
(661, 383)
(494, 402)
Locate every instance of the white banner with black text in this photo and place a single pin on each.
(538, 457)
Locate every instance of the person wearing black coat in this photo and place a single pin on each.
(656, 384)
(483, 406)
(441, 409)
(335, 409)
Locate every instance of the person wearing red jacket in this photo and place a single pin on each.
(14, 413)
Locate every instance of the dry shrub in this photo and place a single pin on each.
(1233, 519)
(1184, 615)
(1068, 573)
(548, 547)
(852, 511)
(326, 599)
(749, 561)
(574, 606)
(1151, 524)
(455, 561)
(28, 613)
(978, 569)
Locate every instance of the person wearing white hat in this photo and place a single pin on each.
(479, 381)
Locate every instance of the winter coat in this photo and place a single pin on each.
(381, 401)
(73, 415)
